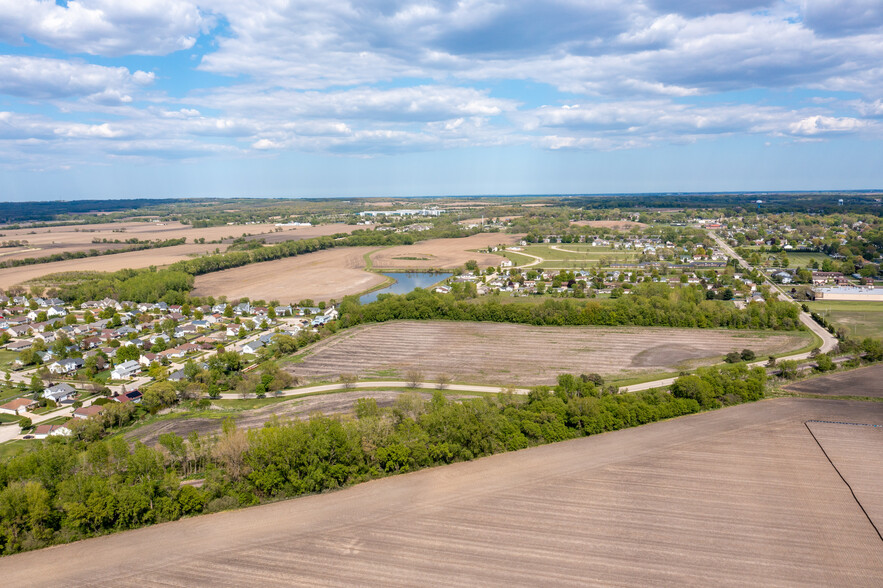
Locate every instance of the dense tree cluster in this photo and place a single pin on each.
(69, 488)
(647, 305)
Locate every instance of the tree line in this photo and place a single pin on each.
(68, 489)
(65, 255)
(647, 305)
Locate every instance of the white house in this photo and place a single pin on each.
(66, 366)
(59, 392)
(125, 370)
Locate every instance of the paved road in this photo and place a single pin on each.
(829, 341)
(389, 384)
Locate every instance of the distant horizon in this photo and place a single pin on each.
(864, 191)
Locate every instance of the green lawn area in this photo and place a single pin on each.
(8, 418)
(6, 359)
(12, 448)
(803, 258)
(861, 318)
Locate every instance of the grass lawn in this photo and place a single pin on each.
(803, 258)
(6, 359)
(861, 318)
(13, 448)
(8, 418)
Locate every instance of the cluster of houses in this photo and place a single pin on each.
(159, 332)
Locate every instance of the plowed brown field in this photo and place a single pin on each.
(866, 381)
(506, 354)
(323, 275)
(741, 496)
(443, 253)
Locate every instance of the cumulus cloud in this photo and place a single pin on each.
(104, 27)
(44, 78)
(836, 17)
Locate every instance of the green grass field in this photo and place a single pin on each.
(12, 448)
(862, 319)
(803, 258)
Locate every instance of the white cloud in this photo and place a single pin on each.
(825, 125)
(44, 78)
(104, 27)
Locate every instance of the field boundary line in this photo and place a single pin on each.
(825, 453)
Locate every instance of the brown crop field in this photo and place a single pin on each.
(507, 354)
(443, 253)
(867, 381)
(740, 496)
(323, 275)
(42, 242)
(107, 263)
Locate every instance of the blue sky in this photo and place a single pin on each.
(177, 98)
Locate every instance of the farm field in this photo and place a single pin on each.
(46, 241)
(861, 319)
(109, 263)
(297, 408)
(508, 354)
(322, 275)
(741, 495)
(443, 253)
(867, 381)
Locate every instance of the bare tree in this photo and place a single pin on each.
(414, 378)
(348, 381)
(444, 380)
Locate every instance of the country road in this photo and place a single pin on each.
(829, 341)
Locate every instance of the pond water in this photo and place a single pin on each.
(404, 283)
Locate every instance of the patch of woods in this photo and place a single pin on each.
(68, 489)
(648, 305)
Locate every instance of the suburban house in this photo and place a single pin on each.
(18, 406)
(134, 396)
(43, 431)
(85, 412)
(66, 366)
(125, 370)
(252, 347)
(59, 392)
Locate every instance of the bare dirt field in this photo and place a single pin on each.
(856, 450)
(867, 381)
(443, 253)
(46, 241)
(507, 354)
(606, 224)
(323, 275)
(107, 263)
(298, 408)
(740, 496)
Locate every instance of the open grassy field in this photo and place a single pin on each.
(322, 275)
(803, 258)
(862, 319)
(740, 496)
(867, 381)
(507, 354)
(443, 253)
(572, 256)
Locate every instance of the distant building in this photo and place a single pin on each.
(867, 293)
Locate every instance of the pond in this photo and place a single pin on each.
(405, 282)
